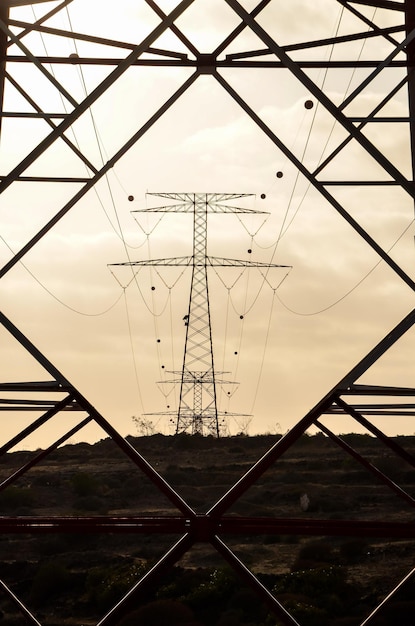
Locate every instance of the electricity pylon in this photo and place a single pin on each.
(198, 411)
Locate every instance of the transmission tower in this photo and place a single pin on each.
(300, 55)
(198, 410)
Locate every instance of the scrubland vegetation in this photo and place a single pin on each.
(70, 579)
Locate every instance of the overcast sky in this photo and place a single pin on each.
(113, 337)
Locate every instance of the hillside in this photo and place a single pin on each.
(315, 479)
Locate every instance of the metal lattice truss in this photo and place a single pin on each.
(56, 394)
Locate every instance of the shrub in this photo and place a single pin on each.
(161, 613)
(16, 498)
(84, 484)
(314, 554)
(50, 579)
(90, 503)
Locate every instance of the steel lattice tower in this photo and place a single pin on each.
(198, 411)
(299, 58)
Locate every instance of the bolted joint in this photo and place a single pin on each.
(206, 63)
(203, 528)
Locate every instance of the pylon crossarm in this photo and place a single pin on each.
(215, 261)
(231, 525)
(47, 30)
(377, 390)
(179, 261)
(317, 43)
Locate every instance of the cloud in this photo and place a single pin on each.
(293, 343)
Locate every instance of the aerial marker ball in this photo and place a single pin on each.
(158, 340)
(162, 367)
(241, 317)
(249, 251)
(263, 196)
(280, 174)
(130, 198)
(168, 406)
(308, 104)
(153, 288)
(235, 353)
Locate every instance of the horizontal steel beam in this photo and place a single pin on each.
(203, 528)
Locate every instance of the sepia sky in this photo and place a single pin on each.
(303, 329)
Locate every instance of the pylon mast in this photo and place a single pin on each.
(198, 411)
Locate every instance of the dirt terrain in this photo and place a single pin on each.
(314, 479)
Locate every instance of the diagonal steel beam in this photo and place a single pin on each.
(380, 435)
(4, 17)
(374, 152)
(317, 184)
(366, 464)
(122, 443)
(102, 172)
(278, 449)
(266, 596)
(169, 559)
(95, 94)
(38, 109)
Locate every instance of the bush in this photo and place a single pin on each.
(354, 550)
(84, 484)
(90, 503)
(161, 613)
(106, 585)
(16, 498)
(50, 579)
(314, 554)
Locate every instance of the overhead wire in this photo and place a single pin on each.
(355, 286)
(284, 230)
(29, 271)
(120, 233)
(55, 297)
